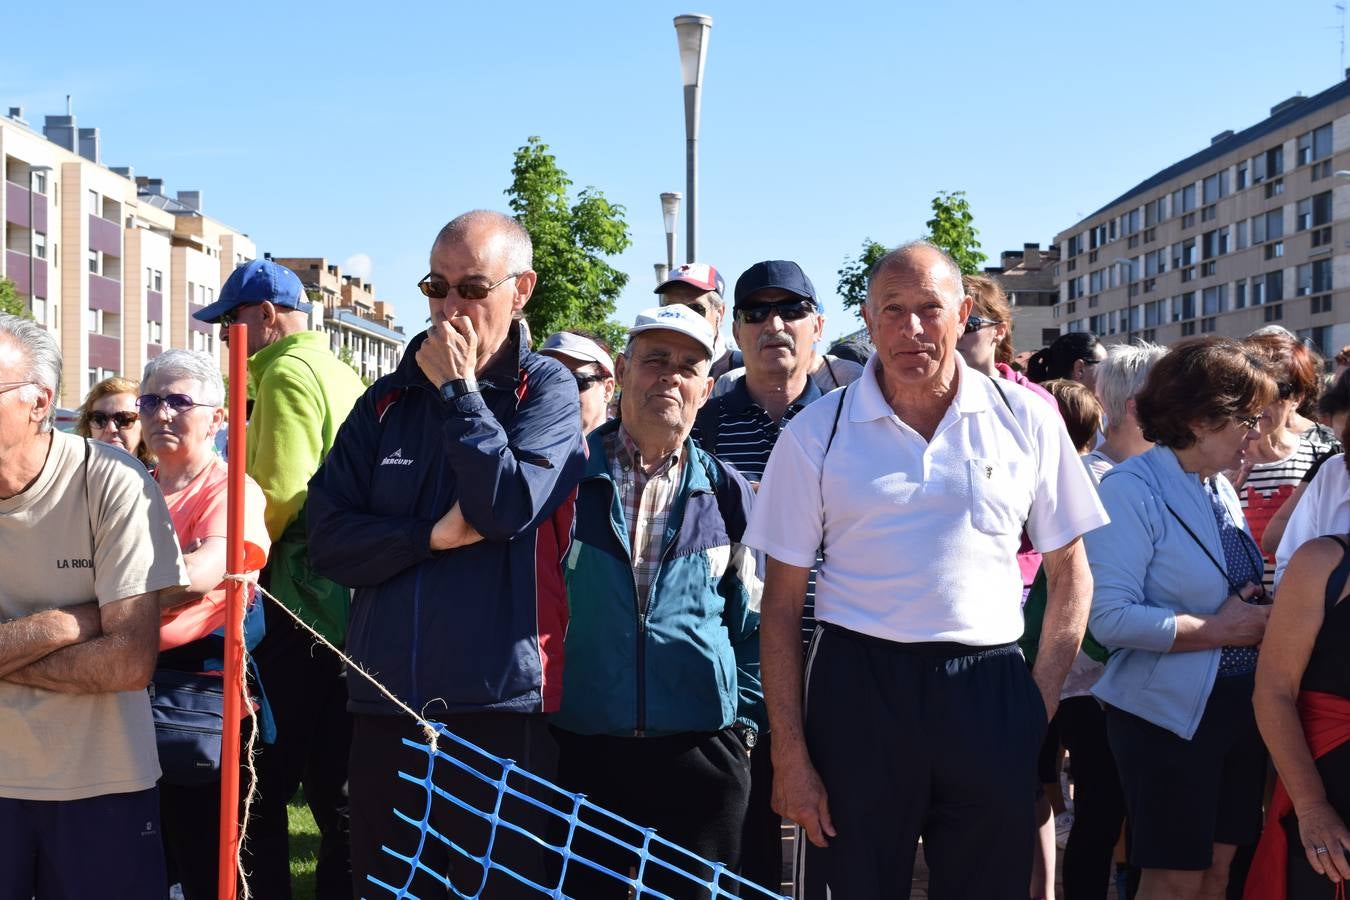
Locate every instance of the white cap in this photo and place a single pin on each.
(582, 349)
(677, 318)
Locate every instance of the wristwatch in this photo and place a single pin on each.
(745, 734)
(458, 387)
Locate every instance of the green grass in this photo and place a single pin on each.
(304, 849)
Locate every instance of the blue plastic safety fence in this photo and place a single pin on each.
(575, 832)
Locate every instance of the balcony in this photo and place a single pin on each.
(105, 294)
(196, 324)
(16, 264)
(105, 236)
(154, 306)
(16, 206)
(105, 352)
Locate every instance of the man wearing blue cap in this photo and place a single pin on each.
(303, 393)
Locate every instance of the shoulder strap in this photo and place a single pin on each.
(834, 427)
(1336, 580)
(998, 387)
(1223, 570)
(829, 368)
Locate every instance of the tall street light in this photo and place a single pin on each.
(670, 214)
(1129, 297)
(691, 31)
(32, 239)
(662, 273)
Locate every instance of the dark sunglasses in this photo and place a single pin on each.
(1286, 390)
(469, 290)
(123, 420)
(696, 307)
(148, 403)
(232, 316)
(787, 310)
(975, 323)
(585, 380)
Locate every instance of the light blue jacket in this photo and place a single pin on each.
(1145, 570)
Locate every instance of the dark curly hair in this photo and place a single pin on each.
(1200, 383)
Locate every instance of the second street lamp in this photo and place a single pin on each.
(692, 33)
(670, 214)
(1129, 265)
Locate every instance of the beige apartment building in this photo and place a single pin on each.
(1027, 277)
(345, 307)
(108, 262)
(1250, 231)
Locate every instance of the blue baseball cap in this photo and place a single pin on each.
(775, 273)
(255, 282)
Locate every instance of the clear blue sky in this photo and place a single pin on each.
(340, 129)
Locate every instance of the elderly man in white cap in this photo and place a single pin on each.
(590, 363)
(663, 642)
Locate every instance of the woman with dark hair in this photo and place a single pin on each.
(1074, 356)
(1302, 704)
(1288, 446)
(1176, 586)
(109, 415)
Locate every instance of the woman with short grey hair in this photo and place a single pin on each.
(1119, 378)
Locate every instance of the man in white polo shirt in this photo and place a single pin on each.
(921, 719)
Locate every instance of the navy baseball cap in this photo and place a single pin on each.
(255, 282)
(775, 273)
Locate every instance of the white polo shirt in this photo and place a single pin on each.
(921, 537)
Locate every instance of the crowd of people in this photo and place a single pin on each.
(883, 595)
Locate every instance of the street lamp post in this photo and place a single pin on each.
(32, 239)
(691, 31)
(662, 273)
(1129, 297)
(670, 214)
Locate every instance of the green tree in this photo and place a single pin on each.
(576, 288)
(952, 229)
(852, 284)
(11, 301)
(346, 355)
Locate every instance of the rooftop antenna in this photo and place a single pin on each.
(69, 113)
(1340, 9)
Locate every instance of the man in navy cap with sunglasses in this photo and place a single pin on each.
(302, 394)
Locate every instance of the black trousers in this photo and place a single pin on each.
(692, 788)
(762, 837)
(377, 790)
(933, 740)
(307, 690)
(1098, 803)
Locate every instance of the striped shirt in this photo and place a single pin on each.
(646, 503)
(1269, 484)
(738, 431)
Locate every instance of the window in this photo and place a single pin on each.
(1214, 243)
(1187, 329)
(1274, 313)
(1208, 269)
(1209, 214)
(94, 205)
(39, 245)
(1183, 199)
(1274, 250)
(1075, 245)
(1274, 188)
(192, 292)
(1130, 221)
(1215, 187)
(1095, 282)
(1241, 176)
(1274, 224)
(1240, 238)
(1188, 220)
(1183, 307)
(1320, 304)
(93, 261)
(1153, 313)
(1183, 254)
(1321, 276)
(1208, 325)
(1314, 145)
(159, 281)
(1214, 300)
(1113, 229)
(1313, 211)
(1274, 286)
(1321, 237)
(1240, 293)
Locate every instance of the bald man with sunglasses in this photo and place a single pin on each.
(447, 504)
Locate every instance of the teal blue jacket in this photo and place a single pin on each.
(690, 662)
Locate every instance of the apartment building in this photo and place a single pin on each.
(1027, 277)
(345, 307)
(1249, 231)
(109, 263)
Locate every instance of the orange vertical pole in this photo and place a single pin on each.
(234, 607)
